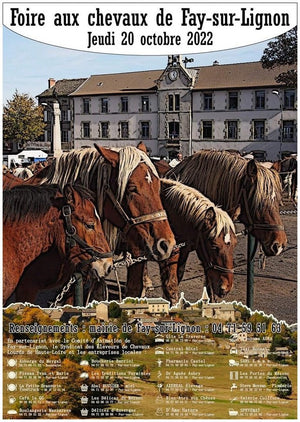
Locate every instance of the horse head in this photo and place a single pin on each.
(132, 203)
(260, 200)
(215, 250)
(85, 240)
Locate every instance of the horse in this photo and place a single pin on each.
(39, 218)
(23, 173)
(127, 186)
(162, 167)
(201, 226)
(9, 180)
(229, 180)
(287, 169)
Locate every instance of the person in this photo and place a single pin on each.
(177, 160)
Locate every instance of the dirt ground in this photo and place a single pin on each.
(275, 287)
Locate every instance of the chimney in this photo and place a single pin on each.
(216, 63)
(51, 82)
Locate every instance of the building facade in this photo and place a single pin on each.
(235, 106)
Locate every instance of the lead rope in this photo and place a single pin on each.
(261, 258)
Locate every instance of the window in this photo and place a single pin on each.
(86, 105)
(232, 129)
(207, 129)
(145, 103)
(174, 130)
(145, 130)
(259, 99)
(288, 130)
(65, 136)
(104, 129)
(174, 102)
(259, 129)
(64, 115)
(86, 129)
(289, 99)
(124, 104)
(208, 101)
(104, 105)
(124, 130)
(233, 100)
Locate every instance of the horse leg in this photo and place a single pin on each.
(147, 282)
(168, 276)
(134, 285)
(209, 287)
(183, 256)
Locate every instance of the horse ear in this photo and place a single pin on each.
(58, 201)
(70, 195)
(236, 213)
(141, 146)
(111, 156)
(251, 171)
(210, 217)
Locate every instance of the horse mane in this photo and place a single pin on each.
(192, 205)
(27, 202)
(88, 168)
(220, 176)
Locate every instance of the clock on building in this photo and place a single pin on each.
(173, 74)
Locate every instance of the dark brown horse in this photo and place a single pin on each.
(38, 218)
(229, 180)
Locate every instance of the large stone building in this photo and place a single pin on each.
(234, 106)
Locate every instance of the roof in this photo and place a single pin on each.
(157, 301)
(238, 75)
(63, 87)
(134, 306)
(119, 83)
(227, 76)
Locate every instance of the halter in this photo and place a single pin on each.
(258, 226)
(72, 238)
(208, 264)
(133, 221)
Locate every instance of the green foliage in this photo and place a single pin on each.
(22, 120)
(143, 372)
(282, 51)
(114, 310)
(283, 387)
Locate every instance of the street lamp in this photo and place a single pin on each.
(277, 93)
(55, 127)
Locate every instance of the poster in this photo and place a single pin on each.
(182, 78)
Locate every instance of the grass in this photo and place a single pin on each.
(198, 388)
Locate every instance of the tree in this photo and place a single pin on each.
(282, 51)
(283, 386)
(22, 121)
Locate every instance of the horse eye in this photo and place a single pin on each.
(132, 189)
(90, 225)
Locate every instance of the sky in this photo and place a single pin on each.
(27, 64)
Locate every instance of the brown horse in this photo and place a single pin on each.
(287, 169)
(37, 218)
(127, 186)
(230, 180)
(201, 226)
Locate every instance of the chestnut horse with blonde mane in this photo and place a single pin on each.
(38, 218)
(127, 187)
(201, 226)
(230, 181)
